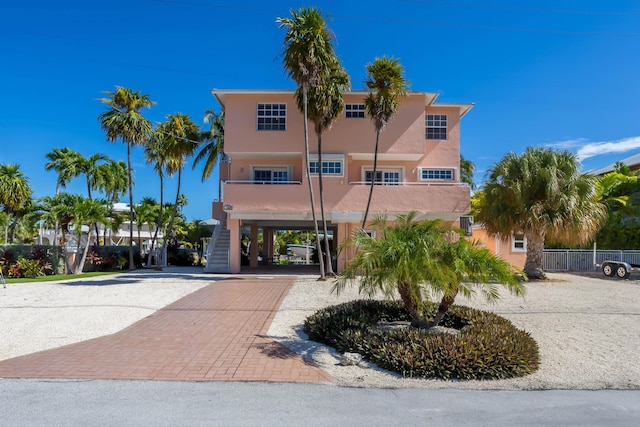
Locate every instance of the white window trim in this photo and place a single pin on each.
(513, 243)
(328, 158)
(371, 233)
(288, 168)
(286, 112)
(426, 127)
(400, 169)
(356, 117)
(454, 174)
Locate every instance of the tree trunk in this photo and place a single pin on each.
(313, 203)
(131, 264)
(173, 214)
(155, 232)
(417, 318)
(445, 305)
(327, 251)
(535, 246)
(373, 179)
(80, 263)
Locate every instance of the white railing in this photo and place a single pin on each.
(403, 183)
(237, 181)
(584, 259)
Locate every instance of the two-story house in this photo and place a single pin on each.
(265, 187)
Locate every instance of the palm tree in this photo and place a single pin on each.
(87, 212)
(180, 139)
(419, 258)
(325, 106)
(112, 179)
(542, 194)
(308, 54)
(213, 148)
(124, 121)
(386, 85)
(65, 162)
(146, 213)
(15, 191)
(467, 168)
(156, 155)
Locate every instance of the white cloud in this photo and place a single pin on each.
(585, 148)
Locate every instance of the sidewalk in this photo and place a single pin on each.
(217, 333)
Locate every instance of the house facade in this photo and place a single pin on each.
(265, 187)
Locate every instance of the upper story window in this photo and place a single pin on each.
(354, 111)
(518, 242)
(272, 117)
(384, 176)
(427, 174)
(333, 165)
(270, 175)
(436, 125)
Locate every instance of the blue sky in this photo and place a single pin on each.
(560, 73)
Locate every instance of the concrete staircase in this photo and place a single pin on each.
(218, 249)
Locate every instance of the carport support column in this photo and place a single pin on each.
(234, 245)
(253, 249)
(267, 244)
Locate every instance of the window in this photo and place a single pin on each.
(270, 175)
(333, 165)
(386, 177)
(272, 117)
(518, 242)
(354, 111)
(436, 174)
(436, 125)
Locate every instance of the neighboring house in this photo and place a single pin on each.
(265, 187)
(633, 162)
(512, 249)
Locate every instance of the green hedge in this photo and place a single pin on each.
(486, 346)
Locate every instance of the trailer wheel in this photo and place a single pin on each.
(607, 269)
(622, 272)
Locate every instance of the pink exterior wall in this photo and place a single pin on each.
(499, 246)
(403, 147)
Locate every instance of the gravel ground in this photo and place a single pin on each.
(587, 328)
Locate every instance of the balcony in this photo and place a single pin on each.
(290, 200)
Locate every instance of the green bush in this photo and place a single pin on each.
(486, 346)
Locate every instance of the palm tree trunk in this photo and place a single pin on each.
(373, 179)
(417, 319)
(155, 232)
(327, 251)
(306, 161)
(131, 265)
(445, 304)
(80, 263)
(535, 246)
(173, 213)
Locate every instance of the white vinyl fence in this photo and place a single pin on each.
(581, 260)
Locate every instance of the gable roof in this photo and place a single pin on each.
(633, 162)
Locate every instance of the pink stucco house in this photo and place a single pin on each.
(265, 188)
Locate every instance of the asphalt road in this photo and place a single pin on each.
(159, 403)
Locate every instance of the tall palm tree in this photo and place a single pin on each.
(308, 54)
(156, 155)
(386, 84)
(543, 194)
(112, 179)
(467, 168)
(124, 121)
(87, 212)
(325, 106)
(181, 139)
(15, 191)
(419, 258)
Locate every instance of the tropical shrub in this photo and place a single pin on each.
(484, 345)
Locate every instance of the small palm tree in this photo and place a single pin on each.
(308, 55)
(65, 162)
(213, 148)
(467, 168)
(419, 258)
(124, 121)
(543, 194)
(387, 85)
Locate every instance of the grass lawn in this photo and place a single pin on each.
(61, 277)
